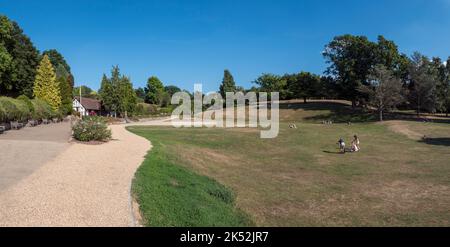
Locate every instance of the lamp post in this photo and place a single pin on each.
(81, 105)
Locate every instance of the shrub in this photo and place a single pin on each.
(92, 128)
(42, 110)
(13, 110)
(143, 109)
(28, 103)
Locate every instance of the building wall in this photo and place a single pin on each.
(78, 107)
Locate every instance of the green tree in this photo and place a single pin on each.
(422, 84)
(384, 90)
(117, 93)
(272, 83)
(442, 85)
(66, 95)
(106, 93)
(18, 60)
(154, 90)
(228, 84)
(57, 59)
(62, 77)
(46, 87)
(171, 90)
(446, 88)
(127, 97)
(26, 59)
(140, 93)
(303, 85)
(352, 58)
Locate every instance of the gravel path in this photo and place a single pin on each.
(86, 185)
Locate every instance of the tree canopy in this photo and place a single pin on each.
(18, 60)
(154, 90)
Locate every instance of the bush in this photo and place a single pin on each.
(13, 110)
(42, 110)
(92, 128)
(143, 109)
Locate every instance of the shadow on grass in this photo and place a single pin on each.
(343, 113)
(331, 152)
(444, 141)
(339, 112)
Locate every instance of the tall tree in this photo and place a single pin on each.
(106, 93)
(442, 84)
(446, 88)
(422, 83)
(351, 59)
(154, 90)
(46, 87)
(62, 77)
(26, 59)
(228, 84)
(57, 59)
(384, 90)
(18, 60)
(117, 93)
(127, 97)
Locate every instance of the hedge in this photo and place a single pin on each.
(22, 109)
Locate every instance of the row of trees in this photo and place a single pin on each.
(24, 71)
(366, 73)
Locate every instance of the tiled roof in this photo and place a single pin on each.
(90, 104)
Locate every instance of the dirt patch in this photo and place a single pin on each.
(402, 128)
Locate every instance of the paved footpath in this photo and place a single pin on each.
(23, 151)
(85, 185)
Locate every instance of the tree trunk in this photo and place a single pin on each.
(304, 100)
(353, 103)
(380, 112)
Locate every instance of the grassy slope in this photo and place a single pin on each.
(171, 195)
(298, 178)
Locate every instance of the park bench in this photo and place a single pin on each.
(45, 121)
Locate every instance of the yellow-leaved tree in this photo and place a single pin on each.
(46, 86)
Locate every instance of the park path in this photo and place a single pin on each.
(85, 185)
(23, 151)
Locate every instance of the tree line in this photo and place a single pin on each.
(26, 72)
(367, 73)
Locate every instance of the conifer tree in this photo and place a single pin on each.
(228, 84)
(46, 87)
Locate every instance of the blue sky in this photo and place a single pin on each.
(187, 42)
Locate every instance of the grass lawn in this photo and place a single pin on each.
(231, 177)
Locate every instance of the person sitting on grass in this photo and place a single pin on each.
(355, 144)
(341, 145)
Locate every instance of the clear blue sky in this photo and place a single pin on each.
(187, 42)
